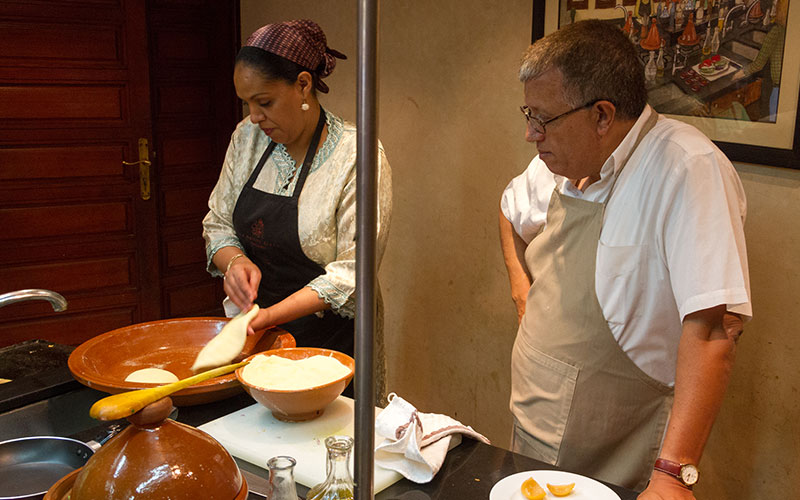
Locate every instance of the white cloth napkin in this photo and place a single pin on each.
(415, 443)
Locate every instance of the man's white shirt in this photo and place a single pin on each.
(672, 241)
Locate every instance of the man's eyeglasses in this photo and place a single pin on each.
(539, 125)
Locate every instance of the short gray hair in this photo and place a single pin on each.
(596, 61)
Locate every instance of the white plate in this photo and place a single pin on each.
(508, 488)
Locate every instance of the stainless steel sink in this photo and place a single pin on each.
(755, 36)
(741, 49)
(61, 415)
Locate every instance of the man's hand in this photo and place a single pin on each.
(241, 283)
(520, 286)
(665, 487)
(513, 248)
(733, 326)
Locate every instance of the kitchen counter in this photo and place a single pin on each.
(36, 369)
(469, 471)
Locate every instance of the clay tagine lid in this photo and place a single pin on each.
(756, 13)
(157, 458)
(653, 40)
(689, 36)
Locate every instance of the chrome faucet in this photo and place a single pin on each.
(57, 300)
(726, 27)
(747, 13)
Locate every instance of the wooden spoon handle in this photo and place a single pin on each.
(127, 403)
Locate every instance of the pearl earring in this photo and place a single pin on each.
(305, 106)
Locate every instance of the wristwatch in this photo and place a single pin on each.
(686, 473)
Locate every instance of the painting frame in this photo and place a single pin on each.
(546, 19)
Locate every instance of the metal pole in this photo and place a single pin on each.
(366, 233)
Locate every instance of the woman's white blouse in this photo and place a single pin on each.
(326, 207)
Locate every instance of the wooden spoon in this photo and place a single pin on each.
(127, 403)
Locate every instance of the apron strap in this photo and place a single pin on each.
(305, 168)
(647, 127)
(254, 175)
(312, 151)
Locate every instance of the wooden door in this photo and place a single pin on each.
(193, 45)
(76, 98)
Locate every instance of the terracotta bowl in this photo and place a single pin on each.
(304, 404)
(104, 362)
(152, 459)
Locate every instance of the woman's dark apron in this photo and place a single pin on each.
(266, 225)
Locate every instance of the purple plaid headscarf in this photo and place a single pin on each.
(301, 42)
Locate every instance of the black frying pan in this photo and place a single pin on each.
(29, 466)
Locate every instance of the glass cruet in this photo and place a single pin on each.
(339, 483)
(281, 478)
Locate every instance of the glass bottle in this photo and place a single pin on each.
(660, 63)
(707, 43)
(715, 42)
(650, 69)
(713, 13)
(281, 478)
(339, 483)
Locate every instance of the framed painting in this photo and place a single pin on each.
(724, 66)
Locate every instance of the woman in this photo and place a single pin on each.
(281, 225)
(771, 52)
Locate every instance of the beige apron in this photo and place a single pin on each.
(578, 400)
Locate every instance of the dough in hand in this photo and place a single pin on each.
(227, 344)
(152, 376)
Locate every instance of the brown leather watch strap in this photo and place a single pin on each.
(668, 467)
(685, 473)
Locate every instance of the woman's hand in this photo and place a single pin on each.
(264, 319)
(665, 487)
(241, 282)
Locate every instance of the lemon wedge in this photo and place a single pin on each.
(560, 490)
(531, 489)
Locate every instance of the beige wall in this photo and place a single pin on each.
(754, 450)
(454, 136)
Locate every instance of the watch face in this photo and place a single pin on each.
(689, 474)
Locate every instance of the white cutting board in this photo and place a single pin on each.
(254, 435)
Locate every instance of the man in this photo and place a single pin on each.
(625, 250)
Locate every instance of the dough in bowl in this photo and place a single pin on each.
(282, 374)
(152, 376)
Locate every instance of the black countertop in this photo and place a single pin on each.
(51, 403)
(37, 370)
(469, 471)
